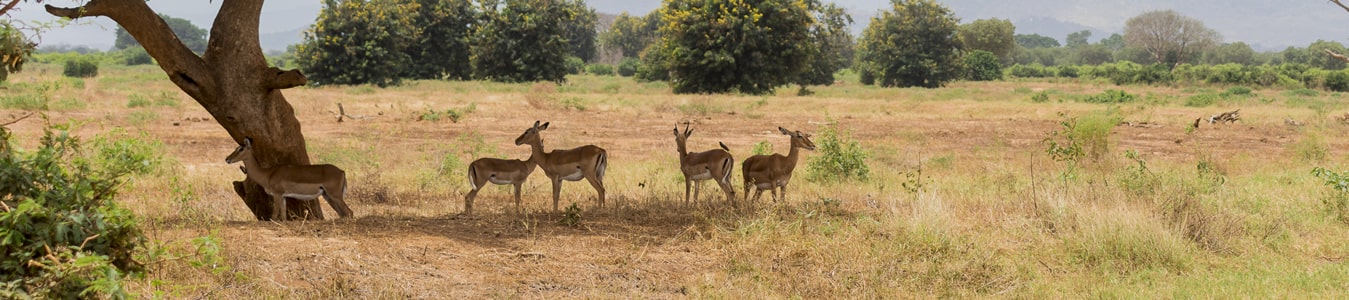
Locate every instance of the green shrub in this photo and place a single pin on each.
(81, 68)
(1202, 100)
(25, 101)
(838, 157)
(1302, 92)
(574, 65)
(1086, 137)
(137, 100)
(1311, 148)
(762, 148)
(600, 69)
(628, 67)
(1337, 202)
(1238, 91)
(982, 66)
(1040, 97)
(136, 56)
(61, 234)
(1111, 97)
(1337, 81)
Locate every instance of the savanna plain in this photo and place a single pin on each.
(1015, 188)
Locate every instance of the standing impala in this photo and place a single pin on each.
(499, 171)
(713, 164)
(774, 171)
(586, 162)
(303, 182)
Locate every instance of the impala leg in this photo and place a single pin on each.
(730, 191)
(697, 189)
(336, 199)
(784, 192)
(599, 186)
(775, 194)
(278, 208)
(686, 191)
(747, 184)
(468, 201)
(316, 207)
(557, 191)
(757, 192)
(517, 197)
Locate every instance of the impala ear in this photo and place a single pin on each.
(676, 130)
(784, 131)
(248, 141)
(688, 132)
(544, 127)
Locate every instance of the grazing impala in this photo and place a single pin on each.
(499, 171)
(772, 172)
(303, 182)
(586, 162)
(715, 164)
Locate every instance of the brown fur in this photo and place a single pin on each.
(306, 180)
(774, 170)
(589, 160)
(718, 163)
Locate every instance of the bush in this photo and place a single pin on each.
(63, 236)
(1202, 100)
(80, 68)
(136, 56)
(1111, 97)
(839, 157)
(1337, 202)
(574, 65)
(628, 67)
(600, 69)
(982, 66)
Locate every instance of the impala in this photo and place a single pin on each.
(774, 171)
(499, 171)
(713, 164)
(303, 182)
(586, 162)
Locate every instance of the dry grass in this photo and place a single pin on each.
(962, 200)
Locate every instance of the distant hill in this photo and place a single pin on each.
(280, 39)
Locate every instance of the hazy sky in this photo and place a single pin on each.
(1267, 24)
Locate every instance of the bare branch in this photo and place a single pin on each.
(7, 7)
(1341, 4)
(184, 68)
(1337, 56)
(30, 114)
(279, 79)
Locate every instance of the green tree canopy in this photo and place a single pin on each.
(522, 41)
(749, 46)
(632, 34)
(442, 50)
(1232, 53)
(833, 44)
(1077, 39)
(913, 44)
(14, 49)
(1317, 57)
(982, 66)
(1168, 36)
(359, 42)
(1033, 41)
(996, 36)
(580, 30)
(192, 36)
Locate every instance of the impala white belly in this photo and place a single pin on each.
(705, 175)
(764, 186)
(499, 180)
(574, 176)
(301, 196)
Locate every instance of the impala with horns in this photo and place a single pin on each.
(302, 182)
(773, 172)
(499, 171)
(586, 162)
(715, 164)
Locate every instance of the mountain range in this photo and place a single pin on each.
(1265, 24)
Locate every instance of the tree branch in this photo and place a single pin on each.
(283, 79)
(7, 7)
(184, 68)
(1341, 4)
(1337, 56)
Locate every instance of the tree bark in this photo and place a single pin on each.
(231, 81)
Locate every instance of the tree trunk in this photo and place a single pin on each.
(231, 81)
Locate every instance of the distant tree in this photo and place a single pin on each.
(629, 34)
(14, 49)
(1168, 36)
(833, 45)
(1113, 43)
(982, 66)
(1093, 54)
(442, 49)
(993, 35)
(522, 41)
(752, 46)
(1077, 39)
(1317, 57)
(1232, 53)
(580, 30)
(359, 42)
(191, 35)
(1035, 41)
(912, 44)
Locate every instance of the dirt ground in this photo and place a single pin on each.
(632, 249)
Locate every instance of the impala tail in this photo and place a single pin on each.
(601, 164)
(472, 177)
(727, 164)
(723, 146)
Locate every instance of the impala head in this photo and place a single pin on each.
(244, 149)
(531, 135)
(799, 140)
(680, 138)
